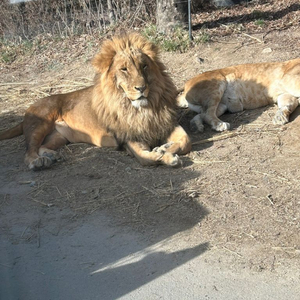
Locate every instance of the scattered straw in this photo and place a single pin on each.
(162, 208)
(7, 266)
(232, 251)
(275, 177)
(209, 161)
(58, 191)
(253, 37)
(151, 191)
(269, 197)
(43, 203)
(38, 243)
(17, 83)
(218, 138)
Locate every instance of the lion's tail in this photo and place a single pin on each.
(12, 132)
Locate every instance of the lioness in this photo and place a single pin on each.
(132, 104)
(241, 87)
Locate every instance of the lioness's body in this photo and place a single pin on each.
(241, 87)
(131, 104)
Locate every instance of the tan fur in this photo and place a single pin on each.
(131, 104)
(241, 87)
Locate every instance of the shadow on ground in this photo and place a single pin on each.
(46, 219)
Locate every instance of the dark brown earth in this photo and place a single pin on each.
(237, 191)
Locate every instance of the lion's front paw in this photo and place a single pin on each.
(222, 126)
(171, 160)
(165, 157)
(163, 148)
(280, 118)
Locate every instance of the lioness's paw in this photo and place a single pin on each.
(196, 124)
(40, 163)
(222, 126)
(280, 118)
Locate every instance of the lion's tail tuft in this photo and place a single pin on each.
(12, 132)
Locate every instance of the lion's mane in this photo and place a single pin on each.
(151, 124)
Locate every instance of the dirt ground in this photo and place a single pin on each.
(237, 192)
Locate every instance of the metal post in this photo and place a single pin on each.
(190, 20)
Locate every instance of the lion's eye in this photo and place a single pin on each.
(124, 69)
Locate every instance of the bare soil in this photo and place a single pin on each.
(237, 192)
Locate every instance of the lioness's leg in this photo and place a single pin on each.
(196, 124)
(148, 158)
(182, 102)
(286, 105)
(211, 117)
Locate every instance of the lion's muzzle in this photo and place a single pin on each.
(141, 102)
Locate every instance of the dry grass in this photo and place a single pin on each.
(70, 17)
(12, 91)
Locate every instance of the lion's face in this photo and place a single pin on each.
(131, 63)
(131, 75)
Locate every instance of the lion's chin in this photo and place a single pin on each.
(141, 102)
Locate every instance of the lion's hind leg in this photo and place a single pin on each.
(46, 155)
(52, 142)
(286, 105)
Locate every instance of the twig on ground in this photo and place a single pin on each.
(17, 83)
(270, 199)
(232, 251)
(253, 37)
(218, 138)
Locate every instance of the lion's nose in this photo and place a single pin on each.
(140, 88)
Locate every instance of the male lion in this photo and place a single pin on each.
(132, 104)
(241, 87)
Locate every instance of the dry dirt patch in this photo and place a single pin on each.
(237, 191)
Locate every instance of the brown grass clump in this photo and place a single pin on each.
(67, 18)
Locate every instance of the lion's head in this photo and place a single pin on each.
(133, 96)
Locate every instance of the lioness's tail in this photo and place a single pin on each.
(179, 91)
(12, 132)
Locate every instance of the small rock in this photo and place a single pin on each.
(200, 60)
(267, 50)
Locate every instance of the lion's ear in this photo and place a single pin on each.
(103, 60)
(147, 47)
(151, 50)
